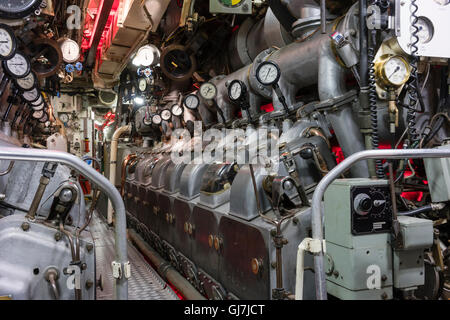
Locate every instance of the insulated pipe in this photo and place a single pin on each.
(165, 269)
(113, 163)
(316, 205)
(25, 154)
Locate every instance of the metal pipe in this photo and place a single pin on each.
(11, 165)
(113, 162)
(24, 154)
(165, 269)
(323, 16)
(317, 214)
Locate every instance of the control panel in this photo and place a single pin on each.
(371, 209)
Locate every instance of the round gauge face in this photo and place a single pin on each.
(236, 90)
(231, 3)
(208, 91)
(28, 82)
(145, 56)
(39, 107)
(177, 110)
(191, 102)
(7, 42)
(396, 71)
(44, 117)
(38, 102)
(18, 8)
(64, 117)
(31, 95)
(268, 73)
(156, 119)
(166, 114)
(38, 114)
(426, 30)
(142, 84)
(70, 51)
(442, 2)
(18, 66)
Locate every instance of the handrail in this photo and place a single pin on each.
(317, 214)
(24, 154)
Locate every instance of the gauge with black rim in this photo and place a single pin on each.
(64, 117)
(38, 107)
(38, 102)
(208, 91)
(44, 118)
(8, 43)
(142, 84)
(156, 119)
(18, 66)
(17, 9)
(268, 73)
(38, 114)
(31, 95)
(28, 82)
(176, 110)
(191, 101)
(237, 90)
(166, 114)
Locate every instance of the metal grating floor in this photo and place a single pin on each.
(144, 284)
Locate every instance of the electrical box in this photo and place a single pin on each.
(358, 220)
(438, 174)
(230, 6)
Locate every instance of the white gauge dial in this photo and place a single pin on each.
(268, 73)
(28, 82)
(177, 110)
(442, 2)
(64, 117)
(191, 102)
(156, 119)
(145, 56)
(166, 114)
(31, 95)
(235, 91)
(38, 102)
(70, 50)
(396, 71)
(38, 107)
(208, 91)
(7, 42)
(426, 30)
(142, 84)
(38, 114)
(18, 66)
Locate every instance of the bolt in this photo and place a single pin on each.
(336, 273)
(89, 284)
(273, 232)
(295, 220)
(273, 265)
(89, 247)
(384, 296)
(83, 266)
(58, 236)
(25, 226)
(383, 277)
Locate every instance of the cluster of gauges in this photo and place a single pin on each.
(163, 115)
(17, 68)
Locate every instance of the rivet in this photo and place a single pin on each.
(25, 226)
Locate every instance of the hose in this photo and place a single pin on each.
(424, 209)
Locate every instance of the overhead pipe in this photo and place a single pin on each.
(113, 163)
(26, 154)
(316, 205)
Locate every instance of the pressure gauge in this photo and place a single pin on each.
(166, 114)
(156, 119)
(64, 117)
(28, 82)
(426, 30)
(38, 102)
(18, 66)
(44, 117)
(31, 95)
(70, 50)
(16, 9)
(208, 91)
(237, 90)
(191, 101)
(7, 42)
(393, 71)
(176, 110)
(38, 107)
(38, 114)
(268, 73)
(145, 56)
(142, 84)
